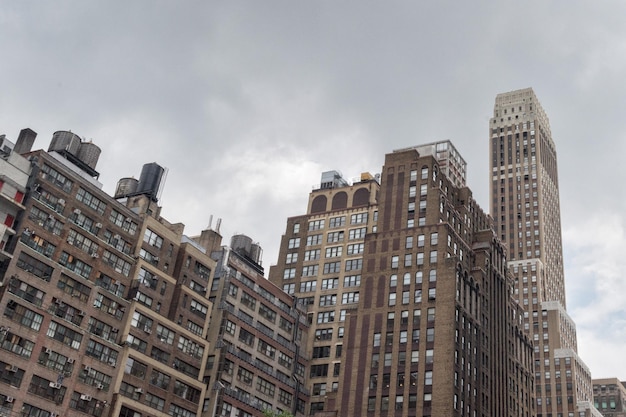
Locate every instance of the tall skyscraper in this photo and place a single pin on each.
(408, 295)
(525, 207)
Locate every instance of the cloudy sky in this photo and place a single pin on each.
(246, 103)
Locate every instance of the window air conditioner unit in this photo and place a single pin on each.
(139, 390)
(12, 368)
(70, 360)
(99, 225)
(9, 399)
(77, 211)
(48, 350)
(85, 397)
(55, 385)
(99, 386)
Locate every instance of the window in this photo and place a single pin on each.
(291, 258)
(289, 288)
(357, 233)
(312, 255)
(244, 375)
(90, 200)
(352, 281)
(350, 297)
(332, 267)
(153, 239)
(337, 221)
(358, 218)
(319, 389)
(76, 265)
(308, 286)
(334, 237)
(321, 352)
(354, 264)
(325, 317)
(319, 370)
(433, 256)
(316, 225)
(266, 349)
(166, 335)
(328, 300)
(192, 348)
(248, 301)
(356, 248)
(199, 309)
(294, 243)
(64, 335)
(310, 271)
(324, 334)
(314, 240)
(289, 273)
(394, 261)
(331, 283)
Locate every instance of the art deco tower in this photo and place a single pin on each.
(525, 208)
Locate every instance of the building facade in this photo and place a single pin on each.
(525, 208)
(609, 397)
(434, 329)
(14, 174)
(258, 360)
(320, 262)
(105, 311)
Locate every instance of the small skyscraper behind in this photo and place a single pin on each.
(525, 208)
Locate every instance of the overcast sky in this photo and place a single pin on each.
(246, 103)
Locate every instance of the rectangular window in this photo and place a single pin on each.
(310, 271)
(314, 240)
(332, 267)
(91, 201)
(357, 233)
(352, 281)
(64, 335)
(354, 264)
(350, 297)
(312, 255)
(334, 251)
(316, 225)
(330, 283)
(153, 239)
(337, 221)
(308, 286)
(358, 218)
(356, 248)
(23, 316)
(334, 237)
